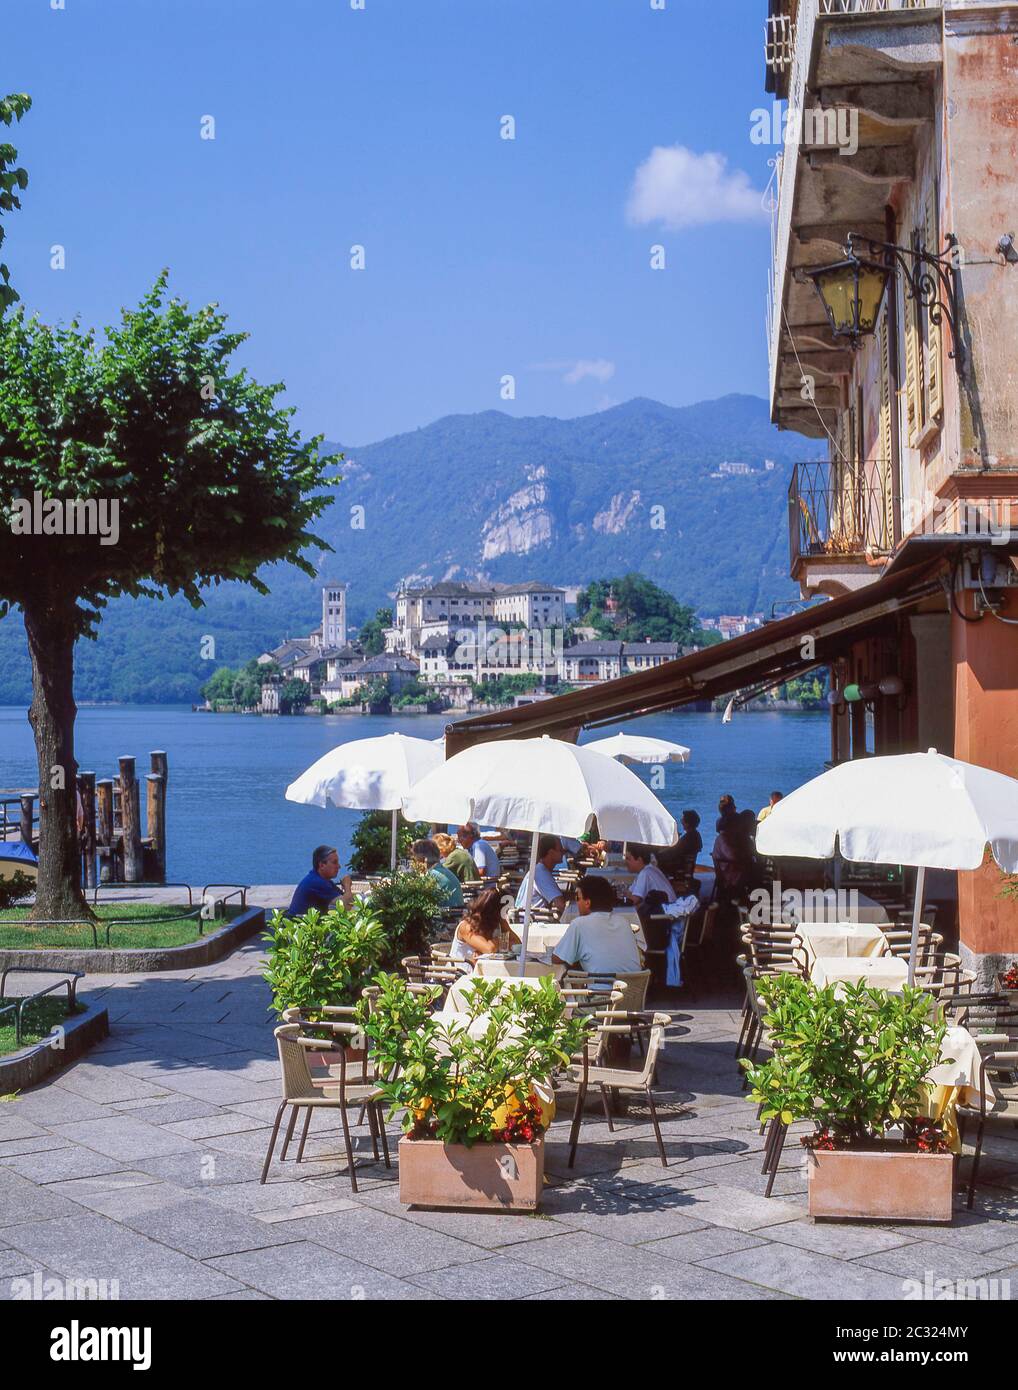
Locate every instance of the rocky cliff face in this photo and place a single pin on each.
(522, 523)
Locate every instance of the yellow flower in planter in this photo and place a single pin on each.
(513, 1105)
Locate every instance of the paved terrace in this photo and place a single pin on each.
(140, 1163)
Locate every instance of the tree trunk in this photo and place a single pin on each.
(50, 625)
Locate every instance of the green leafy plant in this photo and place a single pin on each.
(13, 180)
(323, 957)
(406, 904)
(371, 841)
(852, 1059)
(462, 1089)
(15, 888)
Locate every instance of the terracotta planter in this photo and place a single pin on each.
(861, 1186)
(500, 1177)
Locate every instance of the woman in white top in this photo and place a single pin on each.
(482, 929)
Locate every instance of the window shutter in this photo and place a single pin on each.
(886, 468)
(933, 360)
(913, 367)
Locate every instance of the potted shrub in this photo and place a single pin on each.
(1007, 980)
(371, 841)
(323, 958)
(854, 1061)
(406, 904)
(468, 1086)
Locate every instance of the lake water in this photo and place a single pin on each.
(227, 818)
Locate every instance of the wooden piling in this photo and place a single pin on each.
(27, 833)
(155, 820)
(130, 822)
(104, 830)
(86, 790)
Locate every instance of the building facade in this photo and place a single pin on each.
(605, 661)
(903, 137)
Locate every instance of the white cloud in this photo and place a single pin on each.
(598, 368)
(679, 188)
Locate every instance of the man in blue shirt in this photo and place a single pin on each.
(547, 893)
(318, 889)
(481, 851)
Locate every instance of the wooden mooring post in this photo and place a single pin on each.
(130, 823)
(155, 810)
(86, 790)
(108, 869)
(27, 828)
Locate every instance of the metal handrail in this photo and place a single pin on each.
(187, 886)
(108, 922)
(69, 982)
(242, 888)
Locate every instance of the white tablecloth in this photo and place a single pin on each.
(455, 1002)
(963, 1070)
(510, 969)
(844, 939)
(885, 972)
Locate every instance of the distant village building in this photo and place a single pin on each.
(324, 653)
(397, 671)
(732, 625)
(605, 661)
(269, 703)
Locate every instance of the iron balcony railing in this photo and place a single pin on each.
(839, 510)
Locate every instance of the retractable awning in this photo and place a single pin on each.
(776, 651)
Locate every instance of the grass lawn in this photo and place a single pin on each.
(143, 927)
(40, 1017)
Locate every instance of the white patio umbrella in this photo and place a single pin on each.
(640, 748)
(921, 809)
(545, 786)
(368, 774)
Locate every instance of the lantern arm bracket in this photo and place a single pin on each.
(930, 278)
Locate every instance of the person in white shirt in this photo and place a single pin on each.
(481, 851)
(595, 940)
(546, 893)
(649, 877)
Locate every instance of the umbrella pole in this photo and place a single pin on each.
(394, 841)
(527, 906)
(917, 912)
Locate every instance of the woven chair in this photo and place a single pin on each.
(899, 942)
(1000, 1061)
(775, 950)
(301, 1093)
(591, 1070)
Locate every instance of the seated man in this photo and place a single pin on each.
(547, 893)
(481, 851)
(596, 941)
(455, 857)
(649, 878)
(318, 888)
(679, 860)
(427, 858)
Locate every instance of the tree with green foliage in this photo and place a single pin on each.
(371, 635)
(294, 695)
(157, 467)
(13, 181)
(634, 609)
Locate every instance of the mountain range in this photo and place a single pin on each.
(640, 486)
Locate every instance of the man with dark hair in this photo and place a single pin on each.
(595, 940)
(546, 893)
(480, 850)
(775, 797)
(679, 860)
(318, 888)
(649, 878)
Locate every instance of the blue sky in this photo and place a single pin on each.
(380, 127)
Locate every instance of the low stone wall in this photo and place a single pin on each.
(142, 959)
(33, 1064)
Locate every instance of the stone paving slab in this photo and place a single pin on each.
(142, 1163)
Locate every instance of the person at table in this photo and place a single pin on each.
(649, 878)
(547, 893)
(732, 853)
(483, 928)
(481, 851)
(775, 797)
(679, 860)
(456, 858)
(596, 940)
(318, 888)
(428, 860)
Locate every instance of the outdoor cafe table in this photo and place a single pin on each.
(842, 939)
(880, 972)
(956, 1082)
(545, 936)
